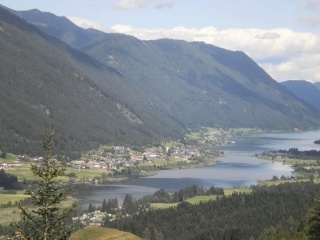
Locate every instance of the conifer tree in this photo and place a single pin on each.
(314, 220)
(104, 206)
(46, 219)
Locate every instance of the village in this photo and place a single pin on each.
(185, 150)
(189, 151)
(112, 158)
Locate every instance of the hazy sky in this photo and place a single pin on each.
(282, 36)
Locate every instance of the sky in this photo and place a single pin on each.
(282, 36)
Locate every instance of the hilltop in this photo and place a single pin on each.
(101, 233)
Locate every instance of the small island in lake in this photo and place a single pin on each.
(316, 142)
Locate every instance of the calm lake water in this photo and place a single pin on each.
(238, 168)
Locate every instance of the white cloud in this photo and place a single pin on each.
(313, 8)
(166, 5)
(268, 35)
(303, 66)
(87, 23)
(310, 4)
(283, 53)
(141, 4)
(132, 4)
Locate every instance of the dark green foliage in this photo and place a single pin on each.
(9, 181)
(317, 142)
(138, 149)
(112, 206)
(129, 205)
(296, 153)
(46, 220)
(104, 207)
(3, 153)
(89, 103)
(91, 208)
(239, 216)
(72, 176)
(288, 229)
(188, 192)
(161, 196)
(314, 221)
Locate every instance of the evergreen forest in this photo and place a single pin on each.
(265, 213)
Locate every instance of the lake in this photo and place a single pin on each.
(239, 167)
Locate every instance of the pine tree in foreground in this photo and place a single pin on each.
(46, 219)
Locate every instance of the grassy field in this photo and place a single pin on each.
(5, 198)
(163, 205)
(10, 214)
(293, 161)
(86, 173)
(229, 191)
(24, 172)
(100, 233)
(199, 199)
(271, 182)
(9, 159)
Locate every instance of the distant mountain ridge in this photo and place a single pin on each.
(317, 84)
(304, 90)
(205, 84)
(118, 89)
(59, 27)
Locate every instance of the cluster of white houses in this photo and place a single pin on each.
(92, 218)
(98, 159)
(81, 164)
(4, 165)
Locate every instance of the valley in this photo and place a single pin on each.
(116, 89)
(158, 138)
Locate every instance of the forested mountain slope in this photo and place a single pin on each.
(202, 84)
(127, 91)
(198, 84)
(44, 80)
(304, 90)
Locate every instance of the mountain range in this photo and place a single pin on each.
(304, 90)
(105, 88)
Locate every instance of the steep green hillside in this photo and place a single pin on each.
(304, 90)
(192, 83)
(44, 80)
(127, 91)
(201, 84)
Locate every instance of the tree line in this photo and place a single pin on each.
(239, 216)
(9, 181)
(162, 196)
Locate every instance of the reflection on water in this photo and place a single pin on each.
(96, 193)
(238, 168)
